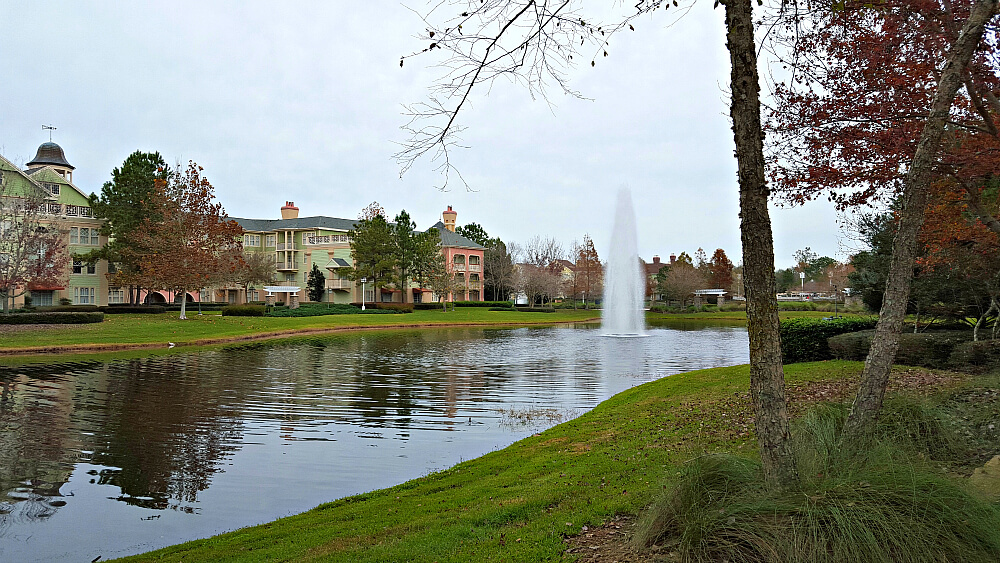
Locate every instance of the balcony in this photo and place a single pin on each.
(286, 266)
(286, 246)
(67, 210)
(339, 284)
(458, 268)
(474, 285)
(326, 239)
(475, 268)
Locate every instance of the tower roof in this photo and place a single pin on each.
(50, 153)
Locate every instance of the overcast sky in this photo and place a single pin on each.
(302, 102)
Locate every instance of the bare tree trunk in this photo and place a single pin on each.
(767, 378)
(183, 304)
(885, 342)
(979, 323)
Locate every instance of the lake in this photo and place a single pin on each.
(111, 458)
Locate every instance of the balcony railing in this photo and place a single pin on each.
(474, 285)
(339, 284)
(459, 267)
(286, 246)
(326, 239)
(475, 268)
(68, 210)
(287, 266)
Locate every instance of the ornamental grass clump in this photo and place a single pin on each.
(885, 503)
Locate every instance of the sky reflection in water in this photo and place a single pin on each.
(126, 456)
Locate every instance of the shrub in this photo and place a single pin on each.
(975, 356)
(51, 318)
(735, 306)
(65, 301)
(316, 310)
(805, 340)
(136, 310)
(67, 309)
(879, 504)
(926, 349)
(193, 305)
(427, 306)
(534, 310)
(396, 307)
(243, 311)
(507, 304)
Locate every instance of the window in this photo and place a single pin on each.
(459, 259)
(112, 268)
(474, 260)
(84, 235)
(79, 267)
(271, 241)
(1, 177)
(251, 240)
(53, 189)
(116, 295)
(84, 296)
(41, 298)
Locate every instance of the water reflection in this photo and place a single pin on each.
(163, 449)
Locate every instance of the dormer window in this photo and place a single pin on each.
(53, 189)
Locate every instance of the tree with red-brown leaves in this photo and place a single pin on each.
(720, 270)
(32, 247)
(870, 113)
(191, 241)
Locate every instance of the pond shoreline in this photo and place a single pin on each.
(262, 336)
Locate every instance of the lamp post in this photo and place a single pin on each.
(363, 282)
(834, 301)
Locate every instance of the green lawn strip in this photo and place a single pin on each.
(160, 329)
(518, 504)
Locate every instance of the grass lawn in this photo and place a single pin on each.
(519, 504)
(119, 330)
(128, 331)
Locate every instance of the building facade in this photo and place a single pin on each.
(296, 243)
(67, 207)
(299, 242)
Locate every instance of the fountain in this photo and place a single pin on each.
(624, 287)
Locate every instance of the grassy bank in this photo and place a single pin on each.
(156, 330)
(521, 503)
(121, 332)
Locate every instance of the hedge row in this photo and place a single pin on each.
(317, 310)
(507, 304)
(398, 307)
(193, 305)
(69, 318)
(942, 349)
(805, 340)
(531, 309)
(138, 309)
(243, 311)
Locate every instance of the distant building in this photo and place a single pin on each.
(299, 242)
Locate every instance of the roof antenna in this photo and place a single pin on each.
(50, 130)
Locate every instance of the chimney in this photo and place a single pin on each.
(448, 217)
(289, 211)
(656, 259)
(673, 258)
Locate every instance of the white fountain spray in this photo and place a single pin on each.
(623, 284)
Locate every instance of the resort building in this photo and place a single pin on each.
(299, 242)
(68, 207)
(296, 243)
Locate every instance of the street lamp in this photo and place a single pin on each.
(363, 282)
